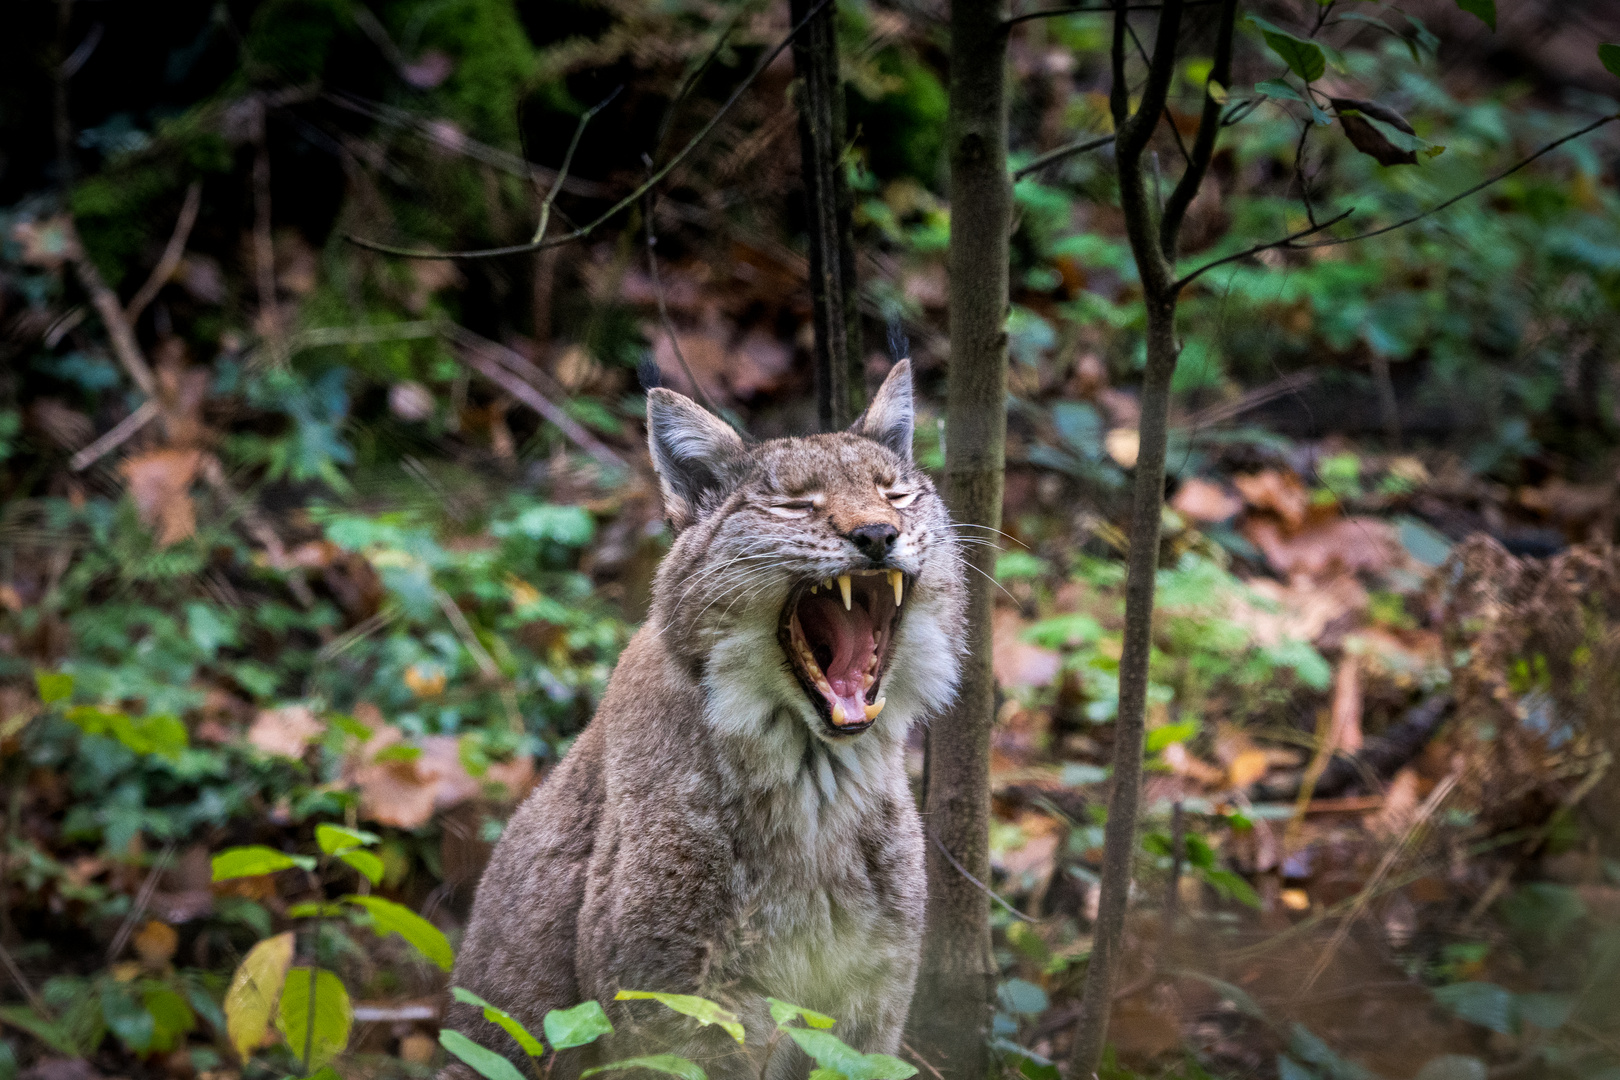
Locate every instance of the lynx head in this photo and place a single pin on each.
(817, 576)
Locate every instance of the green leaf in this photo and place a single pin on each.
(256, 859)
(664, 1063)
(1278, 89)
(1161, 737)
(1229, 884)
(1022, 997)
(1485, 10)
(388, 917)
(1482, 1003)
(784, 1013)
(332, 1019)
(702, 1010)
(336, 838)
(1304, 58)
(1609, 53)
(484, 1061)
(584, 1023)
(504, 1019)
(831, 1052)
(1304, 1044)
(826, 1074)
(311, 910)
(365, 862)
(127, 1017)
(57, 1036)
(53, 686)
(1549, 1012)
(171, 1016)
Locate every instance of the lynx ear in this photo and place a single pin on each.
(694, 454)
(889, 419)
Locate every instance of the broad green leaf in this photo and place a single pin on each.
(1482, 1003)
(826, 1074)
(337, 838)
(1305, 1045)
(127, 1017)
(702, 1010)
(333, 1016)
(388, 917)
(256, 859)
(365, 862)
(504, 1019)
(1304, 58)
(1278, 89)
(831, 1052)
(484, 1061)
(311, 910)
(664, 1063)
(171, 1016)
(1609, 54)
(1229, 884)
(1485, 10)
(54, 1035)
(568, 1028)
(1021, 996)
(1402, 140)
(53, 686)
(784, 1013)
(1161, 737)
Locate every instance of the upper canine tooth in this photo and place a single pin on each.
(897, 581)
(876, 707)
(843, 587)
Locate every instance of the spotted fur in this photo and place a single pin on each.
(707, 833)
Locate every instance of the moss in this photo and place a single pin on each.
(495, 61)
(290, 40)
(903, 129)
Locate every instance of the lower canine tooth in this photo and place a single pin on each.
(838, 714)
(876, 707)
(843, 588)
(897, 581)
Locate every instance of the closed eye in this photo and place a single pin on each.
(792, 508)
(900, 499)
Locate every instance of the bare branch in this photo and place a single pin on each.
(624, 203)
(475, 353)
(1062, 153)
(105, 301)
(567, 161)
(1169, 120)
(1097, 9)
(1461, 195)
(663, 309)
(1284, 242)
(170, 261)
(1175, 208)
(120, 433)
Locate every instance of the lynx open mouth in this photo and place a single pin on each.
(836, 633)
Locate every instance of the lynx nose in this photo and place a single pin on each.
(875, 540)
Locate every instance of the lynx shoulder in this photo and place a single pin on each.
(735, 821)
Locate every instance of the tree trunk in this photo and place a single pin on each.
(950, 1020)
(840, 394)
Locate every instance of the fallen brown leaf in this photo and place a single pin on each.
(155, 943)
(1016, 662)
(1203, 501)
(1355, 544)
(1280, 492)
(159, 483)
(1344, 731)
(285, 732)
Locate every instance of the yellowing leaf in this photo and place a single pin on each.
(53, 686)
(700, 1009)
(254, 991)
(425, 680)
(784, 1013)
(1246, 768)
(505, 1020)
(388, 917)
(317, 996)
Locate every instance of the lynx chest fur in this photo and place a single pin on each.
(735, 822)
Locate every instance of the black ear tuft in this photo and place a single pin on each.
(889, 419)
(647, 371)
(695, 454)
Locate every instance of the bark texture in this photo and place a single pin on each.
(840, 394)
(950, 1021)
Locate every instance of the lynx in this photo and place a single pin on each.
(736, 822)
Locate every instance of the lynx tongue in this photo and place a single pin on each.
(844, 644)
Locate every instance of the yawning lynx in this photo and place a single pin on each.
(736, 822)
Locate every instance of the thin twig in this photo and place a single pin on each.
(1093, 9)
(105, 301)
(1284, 242)
(663, 309)
(981, 886)
(23, 984)
(142, 899)
(172, 254)
(1461, 195)
(1052, 157)
(1171, 120)
(121, 433)
(567, 162)
(213, 473)
(475, 354)
(624, 203)
(1363, 898)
